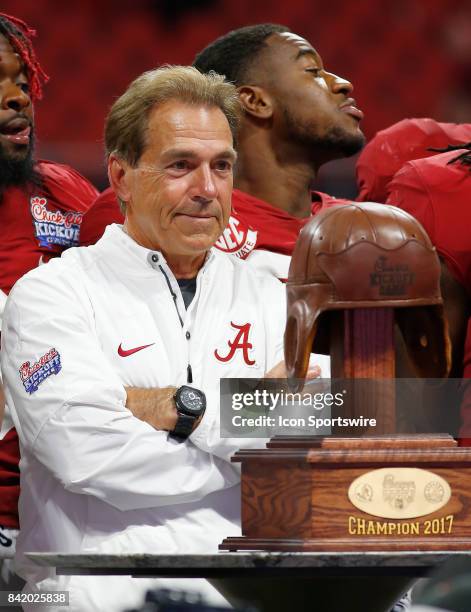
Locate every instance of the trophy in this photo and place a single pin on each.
(364, 287)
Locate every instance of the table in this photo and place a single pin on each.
(275, 582)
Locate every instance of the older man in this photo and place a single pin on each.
(151, 306)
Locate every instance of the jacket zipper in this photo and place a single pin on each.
(189, 372)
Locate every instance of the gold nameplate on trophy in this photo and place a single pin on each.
(399, 493)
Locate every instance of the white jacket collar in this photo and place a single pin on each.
(133, 257)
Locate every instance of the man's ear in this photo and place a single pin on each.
(256, 101)
(119, 175)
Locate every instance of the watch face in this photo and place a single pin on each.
(191, 399)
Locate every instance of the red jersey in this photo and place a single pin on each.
(105, 210)
(265, 234)
(38, 222)
(437, 194)
(404, 141)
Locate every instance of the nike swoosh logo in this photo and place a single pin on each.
(125, 353)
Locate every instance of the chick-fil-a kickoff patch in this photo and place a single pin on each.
(54, 226)
(32, 375)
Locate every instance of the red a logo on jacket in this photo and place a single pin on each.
(240, 342)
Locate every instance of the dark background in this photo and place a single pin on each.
(406, 58)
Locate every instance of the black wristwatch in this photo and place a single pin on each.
(190, 404)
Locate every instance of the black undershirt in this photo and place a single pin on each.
(188, 289)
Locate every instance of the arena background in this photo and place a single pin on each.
(405, 58)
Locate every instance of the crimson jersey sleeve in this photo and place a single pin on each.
(408, 192)
(66, 186)
(437, 195)
(104, 211)
(404, 141)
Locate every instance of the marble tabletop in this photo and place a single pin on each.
(412, 563)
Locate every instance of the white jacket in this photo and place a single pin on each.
(94, 477)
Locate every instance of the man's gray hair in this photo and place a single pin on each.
(127, 121)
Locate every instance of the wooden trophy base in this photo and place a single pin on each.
(357, 494)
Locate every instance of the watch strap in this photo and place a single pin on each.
(184, 426)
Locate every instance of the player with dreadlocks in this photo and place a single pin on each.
(41, 208)
(23, 87)
(19, 35)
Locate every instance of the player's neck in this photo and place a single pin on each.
(276, 173)
(284, 184)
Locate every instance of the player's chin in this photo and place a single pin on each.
(15, 152)
(352, 141)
